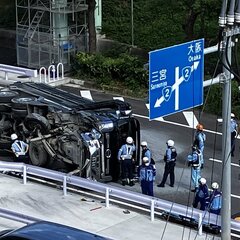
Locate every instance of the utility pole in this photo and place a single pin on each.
(226, 146)
(226, 22)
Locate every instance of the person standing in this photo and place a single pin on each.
(146, 175)
(234, 133)
(126, 156)
(20, 149)
(147, 153)
(215, 199)
(199, 141)
(170, 162)
(202, 195)
(195, 163)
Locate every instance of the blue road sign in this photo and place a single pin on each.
(176, 78)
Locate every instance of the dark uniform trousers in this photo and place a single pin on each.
(169, 169)
(127, 169)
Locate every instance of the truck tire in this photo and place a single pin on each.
(19, 113)
(38, 155)
(34, 120)
(7, 96)
(21, 102)
(5, 108)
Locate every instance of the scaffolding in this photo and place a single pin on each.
(50, 31)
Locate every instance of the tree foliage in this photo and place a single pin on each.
(161, 23)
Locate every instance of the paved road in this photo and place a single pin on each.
(156, 133)
(176, 127)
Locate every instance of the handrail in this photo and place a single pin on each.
(112, 192)
(19, 217)
(17, 70)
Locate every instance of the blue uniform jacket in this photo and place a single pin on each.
(215, 200)
(202, 192)
(146, 173)
(201, 138)
(126, 151)
(147, 154)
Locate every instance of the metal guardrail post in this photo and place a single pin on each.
(24, 174)
(107, 197)
(53, 72)
(200, 224)
(45, 74)
(6, 76)
(152, 210)
(62, 71)
(65, 185)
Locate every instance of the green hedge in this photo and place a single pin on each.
(124, 70)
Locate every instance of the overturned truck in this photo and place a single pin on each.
(64, 129)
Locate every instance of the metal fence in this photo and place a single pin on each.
(153, 205)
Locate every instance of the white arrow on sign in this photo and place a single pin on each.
(175, 86)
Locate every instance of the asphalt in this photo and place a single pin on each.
(76, 210)
(91, 215)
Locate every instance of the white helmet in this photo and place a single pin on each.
(144, 144)
(14, 136)
(146, 161)
(215, 185)
(170, 143)
(129, 140)
(203, 181)
(232, 115)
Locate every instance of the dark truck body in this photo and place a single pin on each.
(66, 128)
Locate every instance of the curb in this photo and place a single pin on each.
(104, 88)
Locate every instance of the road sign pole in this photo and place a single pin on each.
(226, 143)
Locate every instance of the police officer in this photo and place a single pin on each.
(125, 155)
(215, 199)
(194, 160)
(19, 148)
(170, 161)
(146, 175)
(234, 133)
(199, 141)
(202, 195)
(147, 153)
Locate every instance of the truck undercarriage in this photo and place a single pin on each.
(61, 127)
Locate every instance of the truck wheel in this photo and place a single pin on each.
(38, 155)
(21, 102)
(36, 121)
(5, 108)
(19, 113)
(7, 96)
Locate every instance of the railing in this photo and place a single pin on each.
(149, 204)
(17, 70)
(5, 213)
(53, 73)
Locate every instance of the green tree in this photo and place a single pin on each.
(160, 23)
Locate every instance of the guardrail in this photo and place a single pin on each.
(4, 213)
(17, 70)
(111, 193)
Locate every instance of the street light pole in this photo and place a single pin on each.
(132, 26)
(226, 143)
